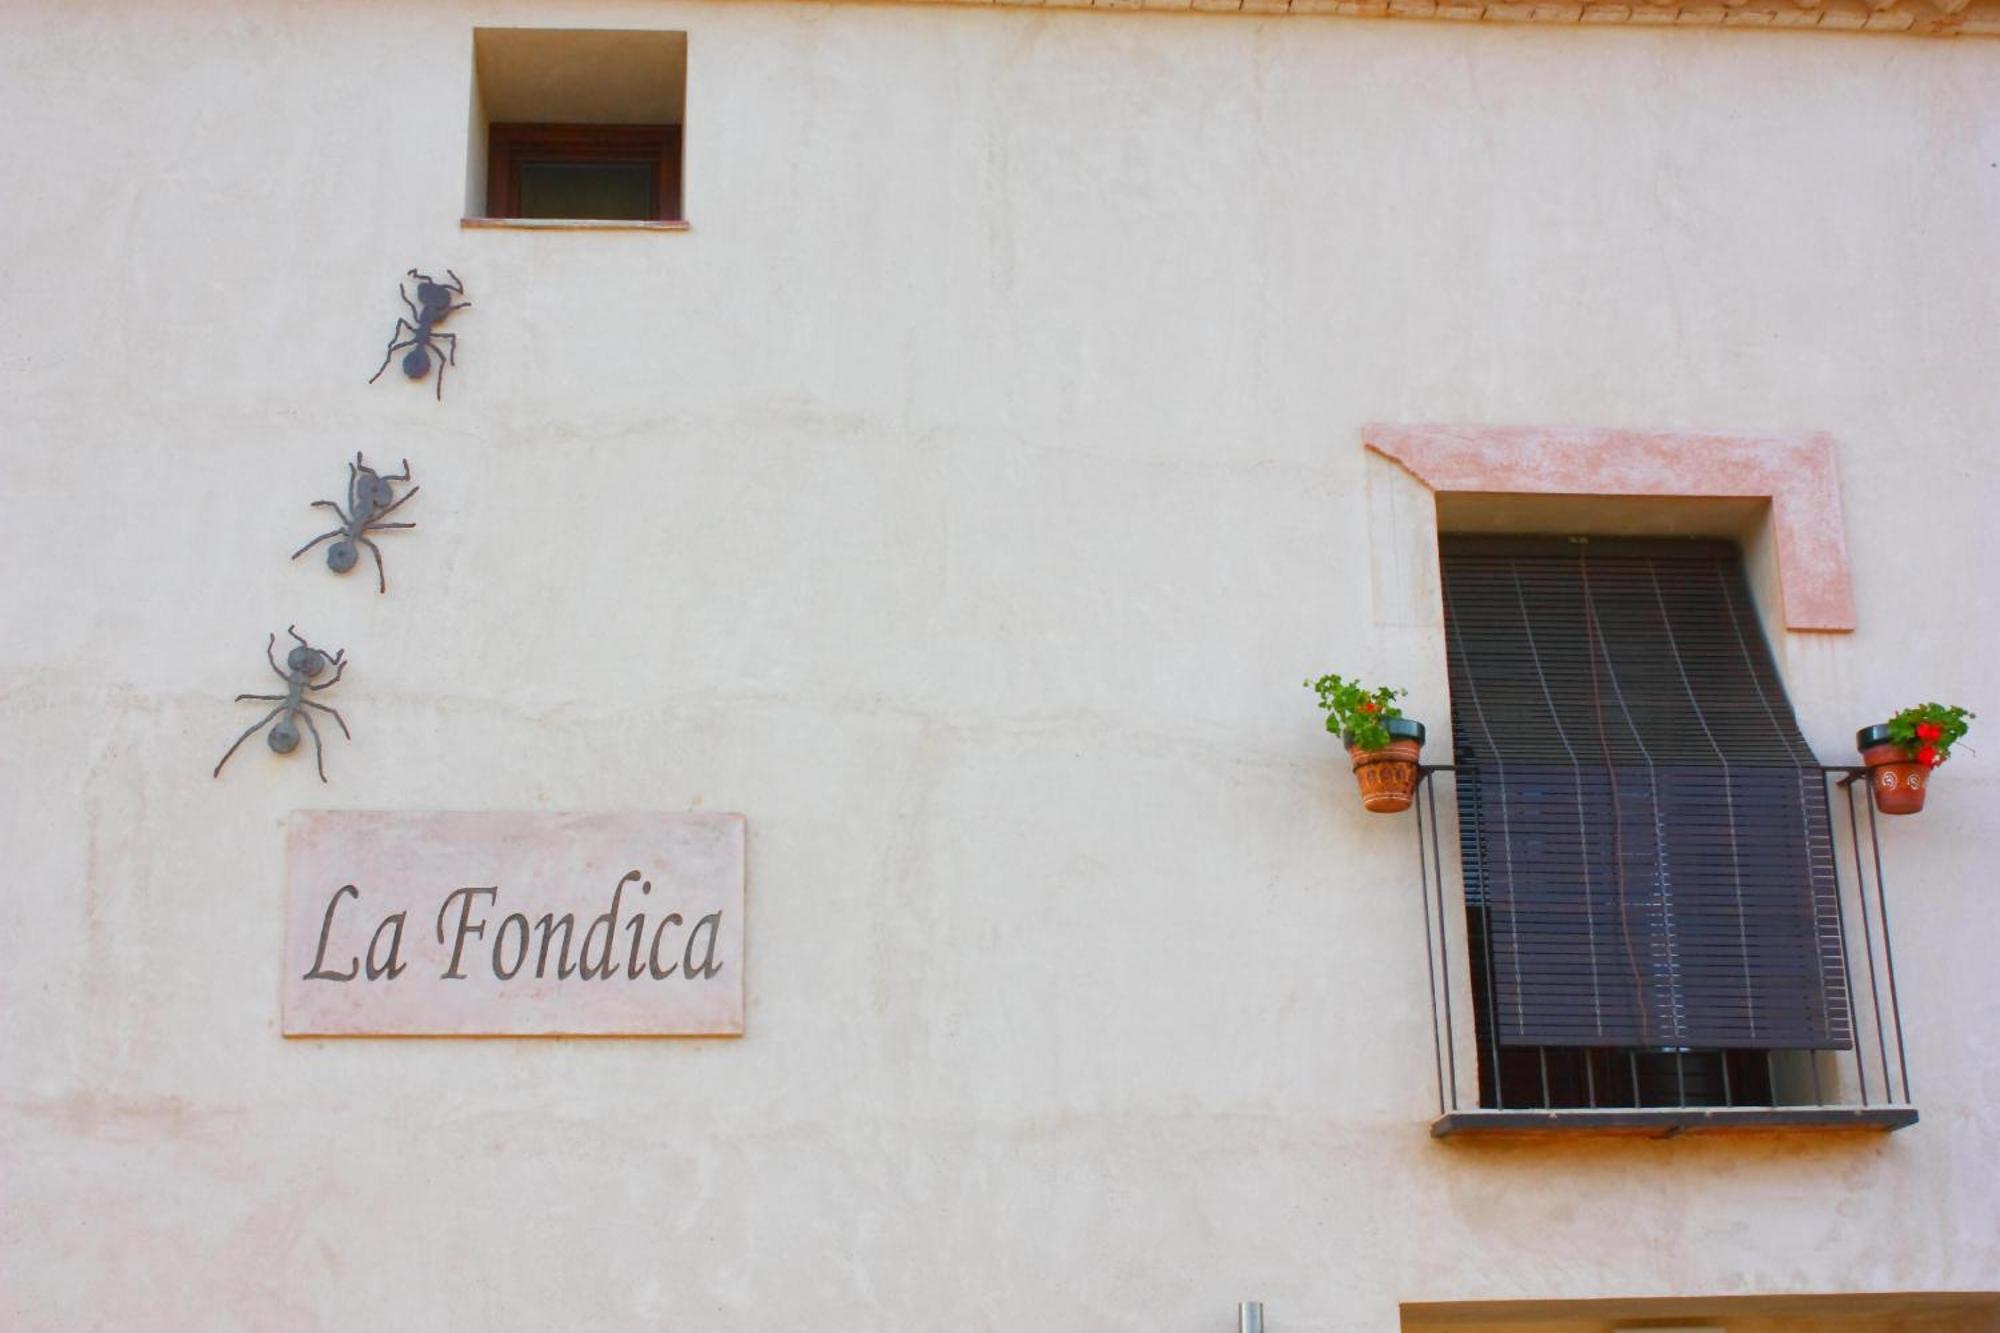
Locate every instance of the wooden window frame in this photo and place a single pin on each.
(514, 145)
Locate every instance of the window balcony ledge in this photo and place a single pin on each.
(1670, 1122)
(567, 224)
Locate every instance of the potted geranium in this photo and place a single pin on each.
(1901, 752)
(1382, 742)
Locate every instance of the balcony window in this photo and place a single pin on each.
(1656, 929)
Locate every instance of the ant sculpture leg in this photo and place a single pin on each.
(345, 521)
(254, 728)
(271, 657)
(404, 475)
(358, 466)
(339, 667)
(319, 753)
(336, 716)
(316, 541)
(371, 523)
(445, 354)
(457, 285)
(381, 578)
(401, 325)
(408, 304)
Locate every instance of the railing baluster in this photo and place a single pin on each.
(1889, 959)
(1867, 947)
(1430, 955)
(1444, 939)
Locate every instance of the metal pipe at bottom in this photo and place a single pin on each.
(1250, 1317)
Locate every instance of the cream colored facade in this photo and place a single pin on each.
(961, 499)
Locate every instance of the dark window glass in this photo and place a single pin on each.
(604, 173)
(611, 190)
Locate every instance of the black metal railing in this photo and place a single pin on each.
(1479, 1078)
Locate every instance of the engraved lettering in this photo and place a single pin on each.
(709, 967)
(319, 972)
(653, 958)
(638, 928)
(500, 942)
(604, 971)
(465, 926)
(547, 925)
(391, 967)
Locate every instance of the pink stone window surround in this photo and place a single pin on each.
(1798, 474)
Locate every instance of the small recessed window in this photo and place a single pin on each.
(577, 126)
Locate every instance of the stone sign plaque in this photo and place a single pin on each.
(455, 924)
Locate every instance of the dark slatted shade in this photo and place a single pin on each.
(1641, 821)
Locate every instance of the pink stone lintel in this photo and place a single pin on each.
(1798, 474)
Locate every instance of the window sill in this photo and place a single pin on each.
(567, 224)
(1669, 1122)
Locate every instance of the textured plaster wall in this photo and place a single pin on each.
(962, 499)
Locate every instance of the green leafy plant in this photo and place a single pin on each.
(1356, 713)
(1928, 731)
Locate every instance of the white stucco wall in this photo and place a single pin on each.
(962, 499)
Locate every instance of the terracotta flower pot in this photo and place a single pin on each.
(1388, 776)
(1894, 775)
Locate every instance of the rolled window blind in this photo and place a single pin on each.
(1640, 817)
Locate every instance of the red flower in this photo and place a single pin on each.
(1929, 757)
(1929, 731)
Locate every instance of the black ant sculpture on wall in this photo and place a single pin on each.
(432, 306)
(302, 664)
(369, 497)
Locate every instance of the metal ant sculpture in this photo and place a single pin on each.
(302, 664)
(432, 306)
(369, 497)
